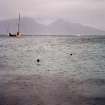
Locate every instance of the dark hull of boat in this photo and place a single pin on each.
(13, 35)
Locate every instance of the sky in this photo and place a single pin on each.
(87, 12)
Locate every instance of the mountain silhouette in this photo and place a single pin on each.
(27, 26)
(58, 27)
(61, 27)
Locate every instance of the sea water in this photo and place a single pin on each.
(78, 57)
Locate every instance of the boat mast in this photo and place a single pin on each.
(19, 24)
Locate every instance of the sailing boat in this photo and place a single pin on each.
(18, 34)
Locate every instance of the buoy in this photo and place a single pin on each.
(38, 60)
(71, 54)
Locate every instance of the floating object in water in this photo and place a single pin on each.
(18, 34)
(71, 54)
(15, 35)
(38, 60)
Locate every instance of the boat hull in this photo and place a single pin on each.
(15, 35)
(12, 35)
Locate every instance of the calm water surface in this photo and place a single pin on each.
(19, 55)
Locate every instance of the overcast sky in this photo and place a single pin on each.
(88, 12)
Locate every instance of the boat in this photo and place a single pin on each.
(18, 34)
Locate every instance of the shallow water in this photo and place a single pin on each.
(20, 55)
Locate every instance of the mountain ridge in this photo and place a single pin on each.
(58, 27)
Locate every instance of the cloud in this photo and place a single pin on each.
(45, 7)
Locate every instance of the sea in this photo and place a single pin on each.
(75, 56)
(61, 56)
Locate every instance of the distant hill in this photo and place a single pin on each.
(27, 26)
(58, 27)
(61, 27)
